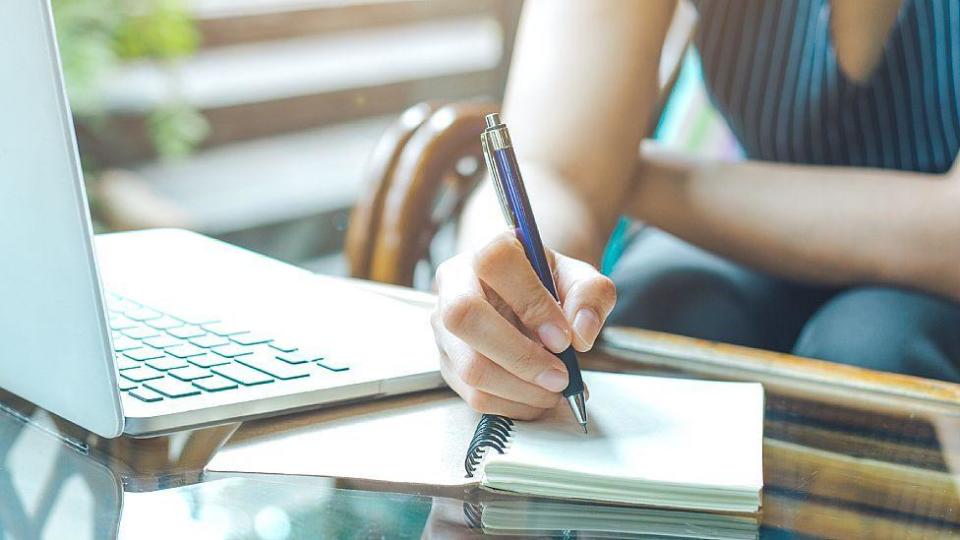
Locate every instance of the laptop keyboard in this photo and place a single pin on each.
(163, 356)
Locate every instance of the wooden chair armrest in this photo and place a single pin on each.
(365, 218)
(421, 178)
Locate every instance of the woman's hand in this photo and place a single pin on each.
(496, 326)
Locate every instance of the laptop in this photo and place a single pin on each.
(153, 332)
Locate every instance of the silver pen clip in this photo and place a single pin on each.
(486, 143)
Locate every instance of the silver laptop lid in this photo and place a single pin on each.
(54, 340)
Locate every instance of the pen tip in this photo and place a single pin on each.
(579, 410)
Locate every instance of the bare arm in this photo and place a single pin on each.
(582, 86)
(835, 225)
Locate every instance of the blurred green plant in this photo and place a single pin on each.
(96, 36)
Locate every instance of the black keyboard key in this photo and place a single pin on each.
(223, 329)
(283, 347)
(124, 363)
(167, 362)
(185, 351)
(231, 350)
(197, 318)
(117, 304)
(143, 354)
(119, 322)
(141, 374)
(125, 385)
(123, 343)
(208, 360)
(172, 388)
(333, 365)
(215, 383)
(140, 332)
(242, 374)
(189, 373)
(186, 331)
(164, 323)
(271, 366)
(250, 339)
(299, 357)
(145, 394)
(143, 314)
(210, 340)
(162, 342)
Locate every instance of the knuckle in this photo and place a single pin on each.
(448, 266)
(599, 291)
(534, 307)
(443, 269)
(478, 401)
(458, 314)
(529, 413)
(447, 375)
(473, 372)
(605, 290)
(528, 361)
(527, 355)
(498, 252)
(439, 332)
(546, 400)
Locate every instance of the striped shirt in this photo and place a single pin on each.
(772, 71)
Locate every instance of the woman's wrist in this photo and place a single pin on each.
(567, 224)
(660, 182)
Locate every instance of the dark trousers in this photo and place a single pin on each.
(668, 285)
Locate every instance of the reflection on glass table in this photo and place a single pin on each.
(840, 461)
(55, 487)
(239, 508)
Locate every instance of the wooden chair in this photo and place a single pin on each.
(420, 176)
(425, 167)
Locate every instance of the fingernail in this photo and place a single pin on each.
(587, 325)
(553, 337)
(553, 380)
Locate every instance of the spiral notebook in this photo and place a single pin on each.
(656, 442)
(662, 442)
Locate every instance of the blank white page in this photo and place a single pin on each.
(655, 430)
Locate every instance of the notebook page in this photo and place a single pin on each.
(417, 439)
(657, 430)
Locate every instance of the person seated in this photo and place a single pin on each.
(838, 238)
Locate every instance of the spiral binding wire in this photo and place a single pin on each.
(492, 432)
(473, 515)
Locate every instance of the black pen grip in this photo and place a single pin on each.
(569, 359)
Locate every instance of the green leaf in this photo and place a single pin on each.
(176, 129)
(160, 29)
(97, 35)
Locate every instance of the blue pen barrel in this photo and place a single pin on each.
(529, 236)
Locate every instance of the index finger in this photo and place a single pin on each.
(587, 298)
(468, 315)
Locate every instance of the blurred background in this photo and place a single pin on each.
(252, 120)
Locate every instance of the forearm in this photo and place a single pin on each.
(825, 224)
(566, 221)
(582, 87)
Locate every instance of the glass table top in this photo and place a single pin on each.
(840, 463)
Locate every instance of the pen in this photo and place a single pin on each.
(505, 174)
